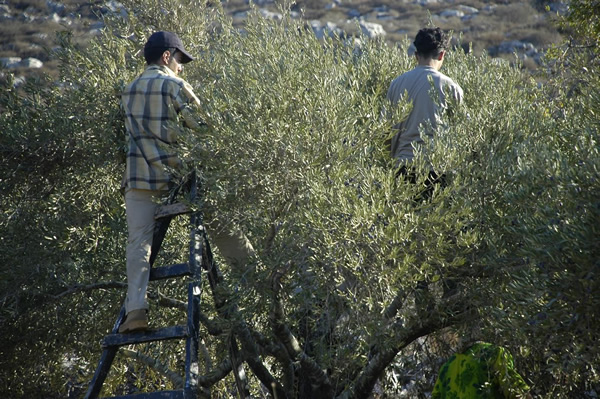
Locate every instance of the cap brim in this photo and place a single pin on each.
(186, 56)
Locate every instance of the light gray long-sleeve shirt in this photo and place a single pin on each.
(418, 84)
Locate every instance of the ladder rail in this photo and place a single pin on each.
(192, 366)
(200, 258)
(190, 331)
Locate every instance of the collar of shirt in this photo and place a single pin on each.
(426, 67)
(161, 68)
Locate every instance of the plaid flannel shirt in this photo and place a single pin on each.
(156, 97)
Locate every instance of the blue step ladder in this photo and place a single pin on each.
(200, 258)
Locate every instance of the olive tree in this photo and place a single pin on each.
(293, 148)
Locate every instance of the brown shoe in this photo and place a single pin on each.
(136, 320)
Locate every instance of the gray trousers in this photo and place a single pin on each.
(140, 207)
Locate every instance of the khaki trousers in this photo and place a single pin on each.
(140, 207)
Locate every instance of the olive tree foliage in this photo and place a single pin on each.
(61, 219)
(293, 150)
(566, 246)
(583, 22)
(63, 227)
(576, 59)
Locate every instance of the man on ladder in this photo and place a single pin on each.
(152, 103)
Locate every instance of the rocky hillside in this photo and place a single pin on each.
(501, 28)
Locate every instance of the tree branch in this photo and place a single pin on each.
(273, 229)
(210, 325)
(156, 365)
(206, 355)
(282, 332)
(313, 371)
(169, 302)
(230, 311)
(255, 363)
(90, 287)
(216, 375)
(447, 314)
(396, 305)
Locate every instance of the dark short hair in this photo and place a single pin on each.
(153, 54)
(430, 41)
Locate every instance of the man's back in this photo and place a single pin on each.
(427, 89)
(156, 97)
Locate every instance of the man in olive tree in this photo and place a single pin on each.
(429, 91)
(153, 103)
(421, 86)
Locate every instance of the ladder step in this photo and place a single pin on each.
(153, 395)
(173, 332)
(171, 210)
(164, 272)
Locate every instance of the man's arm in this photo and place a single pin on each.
(187, 100)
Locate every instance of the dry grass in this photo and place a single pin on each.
(27, 41)
(509, 20)
(34, 35)
(516, 13)
(539, 35)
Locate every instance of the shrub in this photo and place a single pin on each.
(293, 149)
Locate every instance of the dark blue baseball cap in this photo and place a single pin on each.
(165, 40)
